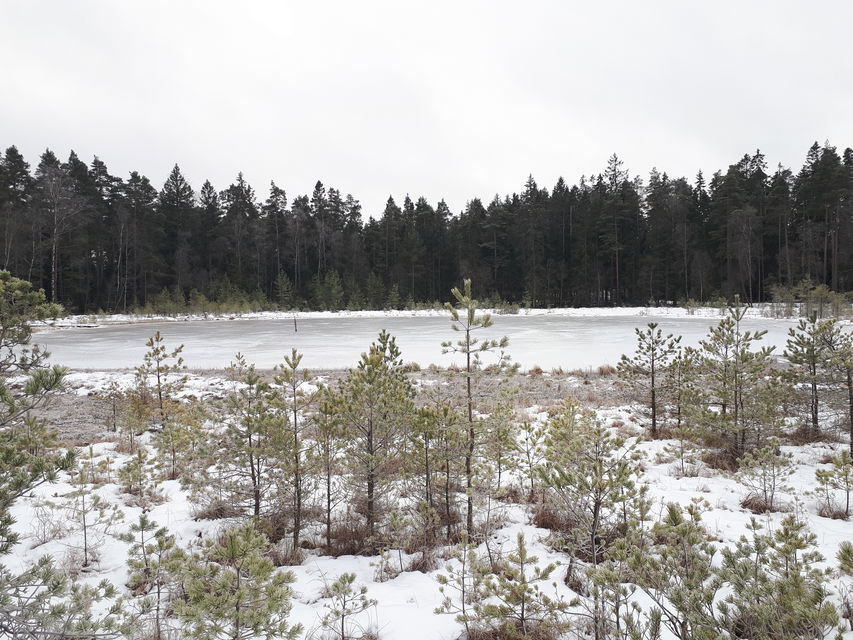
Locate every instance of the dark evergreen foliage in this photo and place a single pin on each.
(95, 241)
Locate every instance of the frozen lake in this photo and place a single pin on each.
(548, 341)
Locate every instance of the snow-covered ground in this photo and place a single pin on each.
(406, 603)
(569, 338)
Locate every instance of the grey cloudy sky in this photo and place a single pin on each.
(441, 99)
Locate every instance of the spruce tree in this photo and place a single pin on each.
(283, 291)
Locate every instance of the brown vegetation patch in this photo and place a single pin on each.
(806, 435)
(286, 557)
(217, 510)
(546, 517)
(511, 494)
(348, 539)
(831, 511)
(533, 632)
(605, 370)
(720, 459)
(425, 561)
(757, 504)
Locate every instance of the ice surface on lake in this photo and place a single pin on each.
(337, 342)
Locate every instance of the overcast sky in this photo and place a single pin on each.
(449, 100)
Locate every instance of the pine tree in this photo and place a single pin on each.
(424, 461)
(738, 384)
(38, 603)
(137, 478)
(592, 477)
(845, 557)
(839, 347)
(806, 351)
(329, 436)
(179, 443)
(513, 602)
(775, 588)
(42, 604)
(149, 556)
(764, 471)
(374, 408)
(677, 572)
(464, 319)
(232, 591)
(839, 477)
(645, 371)
(345, 602)
(460, 586)
(248, 453)
(442, 431)
(162, 370)
(92, 517)
(61, 208)
(296, 398)
(532, 453)
(29, 453)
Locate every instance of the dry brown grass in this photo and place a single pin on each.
(605, 370)
(286, 556)
(217, 510)
(832, 511)
(534, 632)
(826, 458)
(721, 460)
(757, 504)
(512, 494)
(425, 561)
(546, 517)
(805, 435)
(349, 538)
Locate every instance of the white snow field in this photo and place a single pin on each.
(567, 338)
(406, 603)
(405, 610)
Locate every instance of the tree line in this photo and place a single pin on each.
(95, 241)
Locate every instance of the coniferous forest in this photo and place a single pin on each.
(95, 241)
